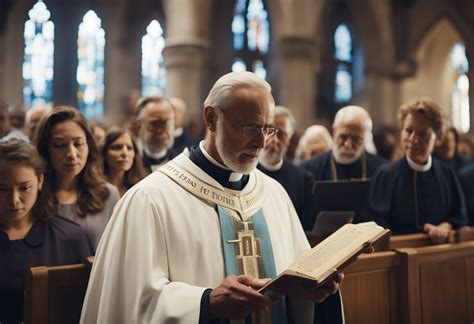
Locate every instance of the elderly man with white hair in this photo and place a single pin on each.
(348, 159)
(182, 138)
(193, 242)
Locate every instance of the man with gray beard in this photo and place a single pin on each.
(195, 241)
(155, 125)
(348, 159)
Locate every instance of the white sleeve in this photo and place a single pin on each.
(130, 282)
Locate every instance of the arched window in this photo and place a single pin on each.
(90, 67)
(251, 36)
(153, 70)
(460, 93)
(39, 56)
(343, 58)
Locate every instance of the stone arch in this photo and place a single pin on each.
(434, 75)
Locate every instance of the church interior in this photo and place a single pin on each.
(317, 55)
(101, 56)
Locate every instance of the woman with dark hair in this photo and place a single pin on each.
(74, 174)
(418, 193)
(30, 233)
(122, 164)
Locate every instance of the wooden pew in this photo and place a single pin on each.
(370, 290)
(55, 294)
(438, 283)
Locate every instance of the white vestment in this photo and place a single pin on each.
(162, 249)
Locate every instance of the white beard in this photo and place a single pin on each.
(342, 159)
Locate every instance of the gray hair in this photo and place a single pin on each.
(351, 112)
(315, 132)
(143, 101)
(283, 111)
(221, 94)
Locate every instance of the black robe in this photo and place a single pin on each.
(184, 140)
(439, 197)
(149, 161)
(297, 183)
(320, 167)
(467, 181)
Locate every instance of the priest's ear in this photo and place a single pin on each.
(210, 118)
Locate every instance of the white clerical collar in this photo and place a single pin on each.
(234, 176)
(155, 155)
(270, 167)
(419, 167)
(178, 132)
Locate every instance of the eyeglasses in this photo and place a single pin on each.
(157, 124)
(254, 131)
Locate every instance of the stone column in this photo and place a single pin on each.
(297, 78)
(185, 53)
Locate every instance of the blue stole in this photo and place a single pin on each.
(248, 250)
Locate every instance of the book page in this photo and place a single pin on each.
(335, 249)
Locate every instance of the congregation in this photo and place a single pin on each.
(62, 178)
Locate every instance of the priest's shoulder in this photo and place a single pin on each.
(317, 162)
(468, 172)
(392, 169)
(375, 159)
(269, 182)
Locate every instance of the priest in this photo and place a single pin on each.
(193, 242)
(348, 159)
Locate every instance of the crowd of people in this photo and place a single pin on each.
(71, 188)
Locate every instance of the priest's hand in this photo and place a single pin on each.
(437, 233)
(237, 297)
(319, 294)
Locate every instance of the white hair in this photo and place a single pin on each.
(318, 132)
(221, 94)
(39, 108)
(283, 111)
(349, 113)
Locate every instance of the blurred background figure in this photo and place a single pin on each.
(33, 118)
(155, 124)
(122, 164)
(387, 142)
(31, 234)
(448, 151)
(98, 130)
(182, 138)
(7, 131)
(74, 174)
(466, 147)
(314, 141)
(17, 114)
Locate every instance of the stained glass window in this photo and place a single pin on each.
(343, 57)
(39, 56)
(460, 94)
(251, 36)
(153, 70)
(90, 67)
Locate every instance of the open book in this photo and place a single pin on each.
(315, 267)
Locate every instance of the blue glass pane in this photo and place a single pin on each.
(343, 44)
(258, 27)
(153, 69)
(239, 65)
(38, 62)
(259, 69)
(238, 29)
(90, 66)
(459, 58)
(343, 91)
